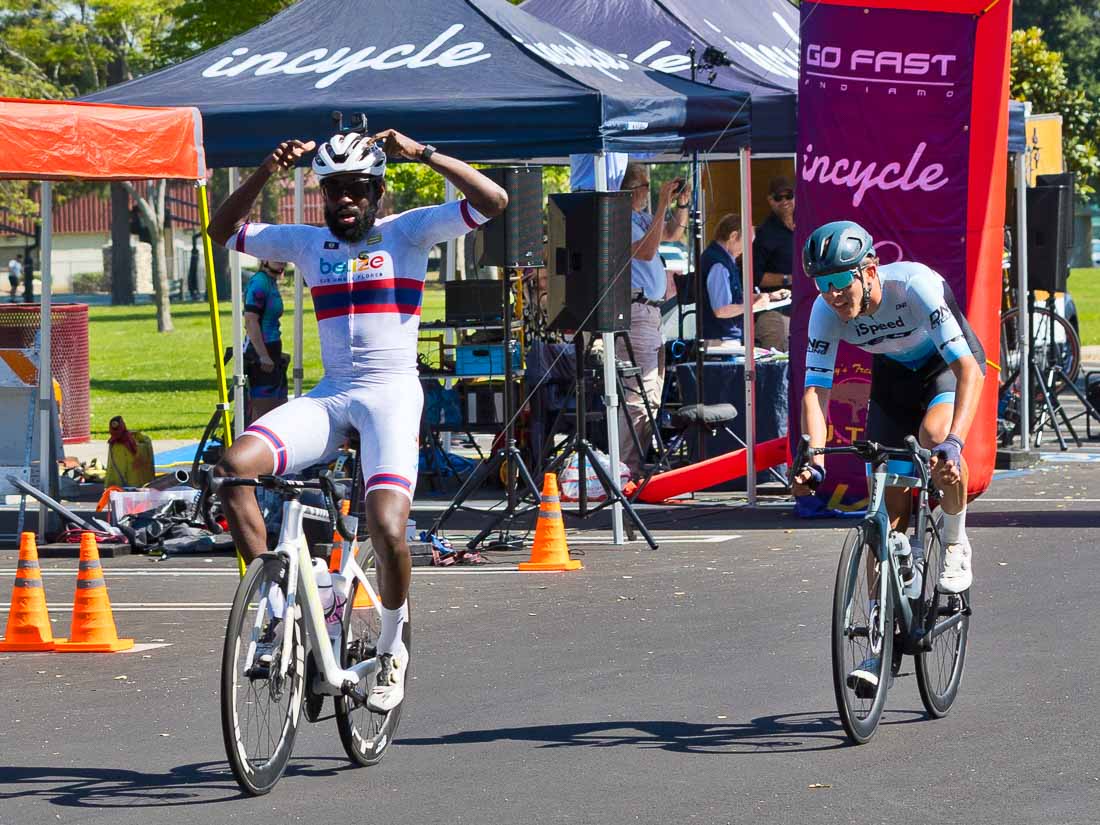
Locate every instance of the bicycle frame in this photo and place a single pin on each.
(331, 679)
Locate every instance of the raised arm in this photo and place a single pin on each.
(235, 208)
(483, 195)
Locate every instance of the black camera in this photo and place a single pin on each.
(358, 122)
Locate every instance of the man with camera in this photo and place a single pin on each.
(649, 286)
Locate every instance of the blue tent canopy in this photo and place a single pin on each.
(480, 79)
(758, 37)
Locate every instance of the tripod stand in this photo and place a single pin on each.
(507, 454)
(580, 446)
(1048, 373)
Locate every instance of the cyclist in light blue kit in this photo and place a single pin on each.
(367, 281)
(926, 374)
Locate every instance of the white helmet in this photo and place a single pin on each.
(349, 153)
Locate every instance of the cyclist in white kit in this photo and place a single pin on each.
(366, 277)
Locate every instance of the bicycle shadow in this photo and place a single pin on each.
(199, 783)
(785, 733)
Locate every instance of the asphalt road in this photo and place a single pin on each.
(690, 684)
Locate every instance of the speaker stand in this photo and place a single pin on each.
(579, 445)
(507, 454)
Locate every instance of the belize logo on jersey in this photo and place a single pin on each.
(367, 265)
(332, 244)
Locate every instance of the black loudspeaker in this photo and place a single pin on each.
(589, 261)
(514, 238)
(1049, 232)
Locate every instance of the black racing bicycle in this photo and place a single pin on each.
(886, 603)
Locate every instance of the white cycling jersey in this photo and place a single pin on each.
(917, 320)
(366, 295)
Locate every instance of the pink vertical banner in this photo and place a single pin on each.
(883, 139)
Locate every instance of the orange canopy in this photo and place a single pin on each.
(56, 140)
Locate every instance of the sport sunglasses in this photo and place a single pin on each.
(835, 280)
(356, 189)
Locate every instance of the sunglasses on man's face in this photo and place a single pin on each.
(356, 188)
(783, 196)
(275, 271)
(835, 280)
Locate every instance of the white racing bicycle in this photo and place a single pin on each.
(290, 641)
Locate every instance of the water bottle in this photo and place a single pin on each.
(899, 548)
(323, 578)
(334, 616)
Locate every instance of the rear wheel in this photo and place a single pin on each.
(863, 636)
(260, 707)
(940, 670)
(365, 735)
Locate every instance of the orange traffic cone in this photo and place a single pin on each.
(28, 622)
(93, 629)
(550, 552)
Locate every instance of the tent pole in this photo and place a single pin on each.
(45, 372)
(749, 325)
(238, 320)
(212, 303)
(299, 217)
(1023, 322)
(611, 397)
(700, 285)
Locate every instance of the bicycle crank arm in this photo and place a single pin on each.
(353, 692)
(940, 629)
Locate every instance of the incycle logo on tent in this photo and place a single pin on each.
(343, 61)
(577, 54)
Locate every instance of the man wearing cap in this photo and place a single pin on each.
(773, 262)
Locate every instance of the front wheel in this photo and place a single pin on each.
(260, 707)
(863, 636)
(365, 735)
(940, 670)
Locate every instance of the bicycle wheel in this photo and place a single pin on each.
(858, 644)
(365, 735)
(940, 670)
(260, 708)
(1054, 343)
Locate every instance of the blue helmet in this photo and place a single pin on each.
(835, 247)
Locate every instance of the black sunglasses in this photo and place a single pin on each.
(356, 188)
(273, 270)
(783, 196)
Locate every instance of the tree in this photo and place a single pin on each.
(151, 213)
(1038, 75)
(1070, 28)
(203, 24)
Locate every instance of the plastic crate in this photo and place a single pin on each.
(484, 359)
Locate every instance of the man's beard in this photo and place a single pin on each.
(352, 233)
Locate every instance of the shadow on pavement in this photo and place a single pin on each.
(787, 733)
(200, 783)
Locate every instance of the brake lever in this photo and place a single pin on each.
(343, 525)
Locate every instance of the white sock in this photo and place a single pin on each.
(954, 527)
(389, 639)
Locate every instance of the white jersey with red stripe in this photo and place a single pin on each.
(366, 295)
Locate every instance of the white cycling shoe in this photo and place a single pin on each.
(388, 690)
(864, 679)
(957, 575)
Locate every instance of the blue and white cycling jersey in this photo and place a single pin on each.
(917, 321)
(366, 295)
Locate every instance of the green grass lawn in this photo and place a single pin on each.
(164, 384)
(1084, 285)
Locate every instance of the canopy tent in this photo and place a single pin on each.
(759, 38)
(51, 140)
(480, 79)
